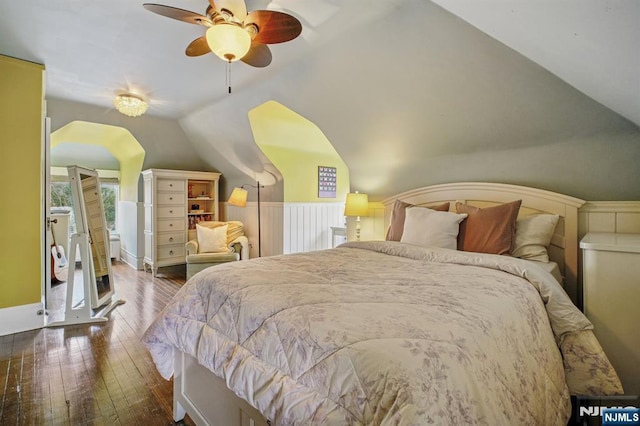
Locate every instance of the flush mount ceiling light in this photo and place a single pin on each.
(232, 33)
(130, 105)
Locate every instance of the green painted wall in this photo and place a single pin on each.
(21, 163)
(120, 143)
(296, 146)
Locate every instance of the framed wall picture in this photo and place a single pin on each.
(327, 182)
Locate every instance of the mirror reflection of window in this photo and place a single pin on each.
(91, 224)
(94, 211)
(61, 196)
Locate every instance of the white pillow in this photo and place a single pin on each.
(212, 240)
(533, 236)
(430, 228)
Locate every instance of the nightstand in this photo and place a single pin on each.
(338, 231)
(611, 296)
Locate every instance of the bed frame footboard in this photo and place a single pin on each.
(206, 398)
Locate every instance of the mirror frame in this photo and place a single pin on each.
(84, 226)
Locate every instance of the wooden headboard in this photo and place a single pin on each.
(564, 244)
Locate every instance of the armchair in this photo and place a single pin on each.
(236, 247)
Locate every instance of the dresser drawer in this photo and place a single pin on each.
(171, 225)
(171, 212)
(169, 251)
(176, 198)
(171, 238)
(170, 185)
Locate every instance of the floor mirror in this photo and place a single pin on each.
(91, 239)
(90, 219)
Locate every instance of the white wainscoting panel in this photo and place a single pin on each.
(372, 226)
(307, 226)
(131, 229)
(609, 216)
(271, 225)
(287, 227)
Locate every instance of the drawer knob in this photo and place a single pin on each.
(171, 224)
(171, 198)
(170, 251)
(170, 211)
(170, 238)
(171, 185)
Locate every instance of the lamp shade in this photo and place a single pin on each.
(357, 204)
(229, 42)
(238, 197)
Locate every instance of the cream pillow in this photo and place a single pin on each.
(394, 233)
(533, 236)
(430, 228)
(212, 240)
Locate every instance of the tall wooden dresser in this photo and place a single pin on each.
(611, 289)
(174, 201)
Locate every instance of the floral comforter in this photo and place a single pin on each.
(387, 333)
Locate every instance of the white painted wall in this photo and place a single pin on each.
(130, 226)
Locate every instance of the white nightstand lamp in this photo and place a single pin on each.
(357, 205)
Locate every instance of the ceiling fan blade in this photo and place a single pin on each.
(238, 8)
(179, 14)
(198, 47)
(258, 56)
(274, 27)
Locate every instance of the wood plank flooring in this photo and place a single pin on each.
(91, 374)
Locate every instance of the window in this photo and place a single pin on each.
(110, 195)
(61, 197)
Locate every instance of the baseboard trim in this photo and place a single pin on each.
(17, 319)
(131, 259)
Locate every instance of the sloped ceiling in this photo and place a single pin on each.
(591, 44)
(437, 101)
(408, 93)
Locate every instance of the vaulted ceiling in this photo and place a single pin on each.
(398, 86)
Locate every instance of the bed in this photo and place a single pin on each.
(387, 332)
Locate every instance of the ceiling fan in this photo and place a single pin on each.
(233, 33)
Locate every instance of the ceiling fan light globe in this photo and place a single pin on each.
(229, 42)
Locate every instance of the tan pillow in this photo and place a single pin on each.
(533, 236)
(489, 230)
(235, 230)
(398, 214)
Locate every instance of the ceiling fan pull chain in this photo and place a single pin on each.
(229, 75)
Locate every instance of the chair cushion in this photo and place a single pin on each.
(213, 257)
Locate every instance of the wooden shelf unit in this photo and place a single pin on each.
(202, 202)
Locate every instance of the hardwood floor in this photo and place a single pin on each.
(91, 374)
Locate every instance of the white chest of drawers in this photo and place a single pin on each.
(611, 289)
(167, 212)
